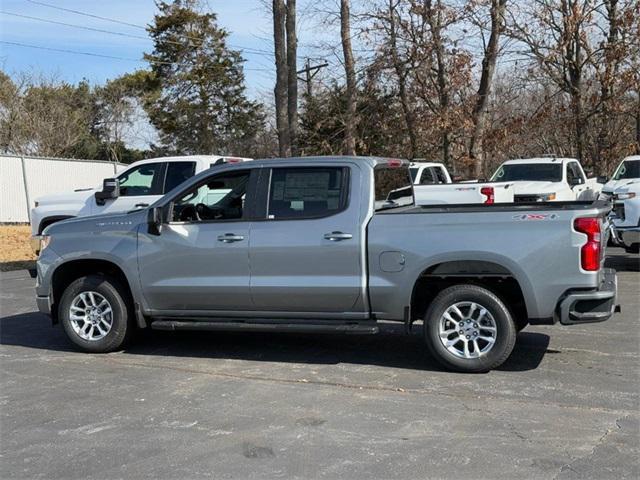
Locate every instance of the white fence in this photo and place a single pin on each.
(23, 179)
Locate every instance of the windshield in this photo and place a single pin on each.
(628, 169)
(536, 172)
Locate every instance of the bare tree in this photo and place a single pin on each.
(292, 90)
(491, 49)
(349, 68)
(280, 91)
(556, 34)
(400, 69)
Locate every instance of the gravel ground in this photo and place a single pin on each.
(195, 405)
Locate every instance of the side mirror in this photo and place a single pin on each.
(575, 181)
(110, 190)
(154, 221)
(603, 179)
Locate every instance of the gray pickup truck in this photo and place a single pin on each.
(315, 245)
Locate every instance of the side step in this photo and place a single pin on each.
(362, 328)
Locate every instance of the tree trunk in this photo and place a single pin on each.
(292, 90)
(402, 81)
(280, 91)
(350, 121)
(476, 152)
(435, 24)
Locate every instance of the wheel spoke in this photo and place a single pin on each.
(490, 340)
(92, 299)
(447, 333)
(448, 316)
(466, 348)
(457, 311)
(106, 311)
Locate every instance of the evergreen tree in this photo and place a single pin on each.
(198, 104)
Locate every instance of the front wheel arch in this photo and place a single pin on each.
(70, 271)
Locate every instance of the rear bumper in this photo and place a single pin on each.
(590, 306)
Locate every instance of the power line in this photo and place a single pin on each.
(100, 55)
(256, 51)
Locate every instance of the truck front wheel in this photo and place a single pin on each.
(95, 315)
(469, 329)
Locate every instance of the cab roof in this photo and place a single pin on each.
(558, 160)
(371, 161)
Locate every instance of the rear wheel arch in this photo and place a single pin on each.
(490, 275)
(68, 272)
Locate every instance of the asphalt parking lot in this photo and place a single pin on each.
(193, 404)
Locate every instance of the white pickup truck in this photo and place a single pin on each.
(548, 180)
(627, 170)
(432, 185)
(623, 189)
(138, 186)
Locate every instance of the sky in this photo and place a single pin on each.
(247, 21)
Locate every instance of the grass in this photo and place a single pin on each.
(15, 250)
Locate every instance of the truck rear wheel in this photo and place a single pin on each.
(469, 329)
(95, 314)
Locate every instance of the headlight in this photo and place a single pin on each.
(45, 240)
(624, 196)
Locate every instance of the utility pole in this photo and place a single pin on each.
(310, 72)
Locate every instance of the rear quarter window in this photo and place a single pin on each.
(392, 187)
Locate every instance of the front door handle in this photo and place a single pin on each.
(337, 236)
(141, 205)
(230, 238)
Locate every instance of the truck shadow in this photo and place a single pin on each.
(390, 348)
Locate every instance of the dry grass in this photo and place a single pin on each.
(15, 250)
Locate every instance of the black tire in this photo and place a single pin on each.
(505, 335)
(521, 324)
(122, 316)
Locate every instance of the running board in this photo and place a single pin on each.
(368, 328)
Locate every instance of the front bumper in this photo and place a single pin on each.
(592, 305)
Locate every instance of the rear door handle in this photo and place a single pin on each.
(230, 238)
(141, 205)
(337, 236)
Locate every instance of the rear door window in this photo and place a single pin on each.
(178, 172)
(307, 192)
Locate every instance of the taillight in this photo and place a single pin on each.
(590, 251)
(394, 163)
(488, 192)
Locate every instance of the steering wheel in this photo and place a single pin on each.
(209, 213)
(190, 213)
